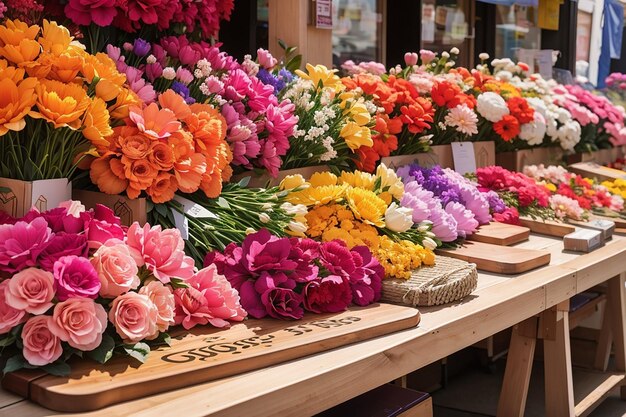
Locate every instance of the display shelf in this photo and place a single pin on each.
(591, 387)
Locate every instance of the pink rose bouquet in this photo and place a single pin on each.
(283, 277)
(76, 281)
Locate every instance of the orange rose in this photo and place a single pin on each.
(161, 155)
(133, 144)
(141, 174)
(104, 172)
(163, 188)
(60, 104)
(17, 98)
(96, 126)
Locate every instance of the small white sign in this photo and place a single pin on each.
(323, 14)
(544, 60)
(464, 157)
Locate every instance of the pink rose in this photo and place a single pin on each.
(31, 290)
(134, 317)
(163, 299)
(79, 322)
(208, 299)
(161, 251)
(9, 316)
(41, 346)
(116, 268)
(75, 277)
(104, 226)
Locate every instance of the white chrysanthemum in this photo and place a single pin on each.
(491, 106)
(463, 119)
(534, 132)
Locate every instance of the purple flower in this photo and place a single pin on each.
(140, 47)
(466, 224)
(75, 277)
(283, 303)
(327, 295)
(63, 244)
(495, 202)
(183, 90)
(444, 225)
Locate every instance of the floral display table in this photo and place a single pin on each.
(311, 384)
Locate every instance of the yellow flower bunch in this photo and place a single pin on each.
(336, 221)
(400, 258)
(617, 187)
(45, 75)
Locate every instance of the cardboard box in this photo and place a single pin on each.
(17, 197)
(484, 152)
(265, 180)
(129, 211)
(517, 160)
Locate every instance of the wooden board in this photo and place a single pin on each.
(206, 354)
(547, 227)
(500, 234)
(599, 172)
(500, 259)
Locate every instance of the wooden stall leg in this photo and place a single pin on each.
(616, 308)
(605, 340)
(519, 365)
(557, 362)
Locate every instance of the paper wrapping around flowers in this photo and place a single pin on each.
(447, 281)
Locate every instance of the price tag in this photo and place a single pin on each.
(464, 157)
(194, 210)
(182, 224)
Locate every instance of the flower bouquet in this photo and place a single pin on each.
(80, 285)
(283, 277)
(362, 209)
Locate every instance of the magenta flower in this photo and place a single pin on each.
(85, 12)
(63, 244)
(283, 303)
(75, 277)
(261, 251)
(337, 259)
(366, 283)
(327, 295)
(104, 226)
(21, 244)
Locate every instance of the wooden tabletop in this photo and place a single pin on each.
(312, 384)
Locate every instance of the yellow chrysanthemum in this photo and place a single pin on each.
(358, 179)
(367, 206)
(96, 125)
(320, 179)
(321, 77)
(399, 259)
(293, 181)
(356, 136)
(314, 196)
(55, 39)
(60, 104)
(335, 221)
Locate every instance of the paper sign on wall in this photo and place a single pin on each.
(544, 60)
(323, 14)
(464, 157)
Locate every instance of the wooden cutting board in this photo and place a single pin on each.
(500, 234)
(548, 227)
(206, 354)
(500, 259)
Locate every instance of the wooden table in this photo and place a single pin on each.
(312, 384)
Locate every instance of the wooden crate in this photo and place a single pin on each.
(484, 152)
(129, 211)
(517, 160)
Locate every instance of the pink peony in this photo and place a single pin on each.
(80, 322)
(163, 299)
(134, 317)
(75, 277)
(9, 316)
(31, 290)
(85, 12)
(328, 295)
(161, 251)
(20, 244)
(41, 346)
(209, 299)
(116, 269)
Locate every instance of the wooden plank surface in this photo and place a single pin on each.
(312, 384)
(547, 227)
(205, 354)
(500, 234)
(501, 259)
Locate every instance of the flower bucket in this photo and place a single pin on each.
(258, 180)
(129, 211)
(17, 196)
(484, 152)
(517, 160)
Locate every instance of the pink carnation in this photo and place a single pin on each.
(161, 251)
(330, 294)
(85, 12)
(208, 299)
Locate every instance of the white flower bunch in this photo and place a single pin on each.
(491, 106)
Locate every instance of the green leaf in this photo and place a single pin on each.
(161, 209)
(104, 352)
(138, 351)
(178, 283)
(294, 63)
(57, 368)
(282, 44)
(14, 363)
(8, 340)
(222, 202)
(244, 182)
(149, 206)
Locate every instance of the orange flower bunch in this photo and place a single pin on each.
(56, 99)
(164, 148)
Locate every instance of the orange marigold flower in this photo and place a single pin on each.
(61, 104)
(16, 100)
(189, 172)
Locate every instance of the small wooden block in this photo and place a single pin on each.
(583, 240)
(500, 234)
(593, 170)
(500, 259)
(205, 353)
(547, 227)
(606, 227)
